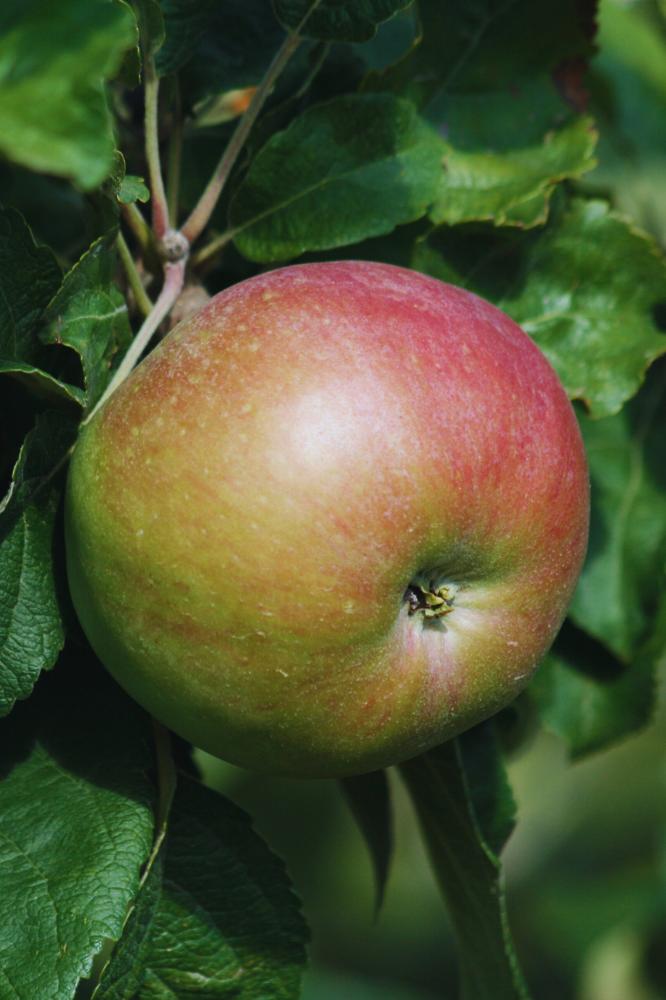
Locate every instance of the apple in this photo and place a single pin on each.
(334, 519)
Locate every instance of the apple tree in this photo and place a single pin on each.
(154, 153)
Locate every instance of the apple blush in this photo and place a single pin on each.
(331, 521)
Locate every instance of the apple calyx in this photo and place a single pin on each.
(431, 601)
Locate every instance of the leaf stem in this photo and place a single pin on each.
(139, 227)
(151, 122)
(215, 245)
(134, 278)
(201, 213)
(174, 277)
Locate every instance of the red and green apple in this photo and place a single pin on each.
(331, 521)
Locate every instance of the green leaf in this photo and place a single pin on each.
(220, 46)
(590, 698)
(464, 803)
(123, 976)
(54, 59)
(625, 572)
(131, 189)
(337, 20)
(369, 800)
(89, 314)
(31, 629)
(225, 923)
(512, 187)
(490, 76)
(75, 828)
(587, 288)
(594, 283)
(343, 171)
(29, 277)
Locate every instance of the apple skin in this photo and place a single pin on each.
(247, 513)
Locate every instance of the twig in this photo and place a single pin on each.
(140, 295)
(174, 276)
(215, 245)
(203, 210)
(157, 192)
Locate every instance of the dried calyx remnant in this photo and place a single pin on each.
(431, 600)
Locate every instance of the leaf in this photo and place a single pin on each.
(587, 288)
(589, 304)
(464, 803)
(494, 78)
(512, 187)
(226, 922)
(89, 314)
(54, 59)
(370, 803)
(625, 572)
(31, 629)
(131, 189)
(29, 277)
(75, 828)
(343, 171)
(588, 697)
(337, 20)
(221, 46)
(123, 976)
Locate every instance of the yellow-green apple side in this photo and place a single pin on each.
(331, 521)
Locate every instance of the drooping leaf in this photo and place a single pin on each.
(337, 20)
(75, 828)
(343, 171)
(587, 288)
(464, 803)
(89, 314)
(369, 800)
(31, 629)
(500, 82)
(223, 920)
(589, 697)
(54, 60)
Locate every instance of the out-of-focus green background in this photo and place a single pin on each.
(586, 866)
